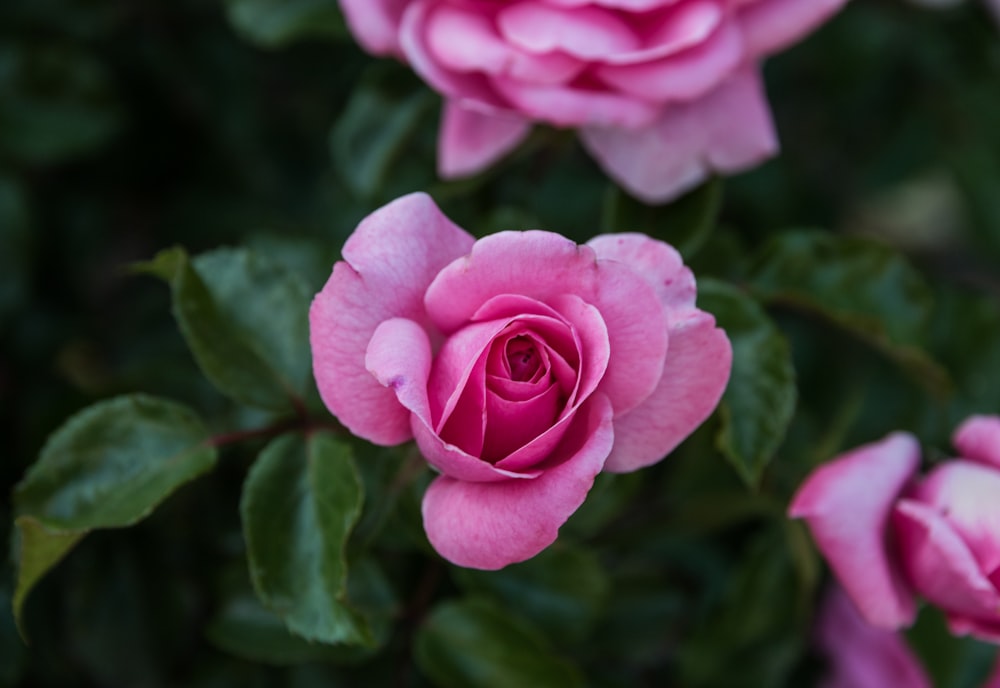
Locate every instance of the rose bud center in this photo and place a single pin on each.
(523, 360)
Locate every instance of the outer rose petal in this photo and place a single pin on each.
(589, 33)
(686, 76)
(847, 503)
(390, 259)
(860, 655)
(471, 141)
(659, 264)
(978, 628)
(940, 565)
(375, 23)
(770, 25)
(543, 265)
(727, 130)
(491, 525)
(978, 438)
(571, 106)
(698, 364)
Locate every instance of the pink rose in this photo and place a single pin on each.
(664, 92)
(522, 364)
(860, 655)
(890, 534)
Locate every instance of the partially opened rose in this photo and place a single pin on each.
(890, 534)
(664, 92)
(522, 363)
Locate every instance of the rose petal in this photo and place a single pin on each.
(658, 263)
(694, 377)
(571, 106)
(491, 525)
(542, 265)
(399, 357)
(679, 27)
(727, 130)
(771, 25)
(471, 141)
(967, 495)
(466, 40)
(860, 655)
(586, 32)
(940, 565)
(847, 504)
(467, 88)
(512, 424)
(591, 331)
(388, 262)
(681, 77)
(983, 629)
(630, 5)
(375, 23)
(978, 438)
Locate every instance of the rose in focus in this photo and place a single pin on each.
(890, 534)
(663, 92)
(523, 364)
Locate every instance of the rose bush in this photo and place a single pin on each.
(664, 92)
(890, 534)
(522, 364)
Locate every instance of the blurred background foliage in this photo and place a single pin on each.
(858, 274)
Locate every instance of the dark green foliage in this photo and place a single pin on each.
(236, 535)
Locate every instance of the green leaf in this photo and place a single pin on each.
(758, 404)
(749, 639)
(245, 320)
(857, 284)
(108, 466)
(246, 628)
(41, 548)
(474, 643)
(685, 223)
(377, 125)
(562, 591)
(274, 23)
(300, 501)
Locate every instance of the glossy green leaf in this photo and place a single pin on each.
(108, 466)
(858, 284)
(477, 644)
(274, 23)
(562, 591)
(379, 122)
(246, 628)
(300, 501)
(40, 549)
(759, 401)
(684, 223)
(244, 319)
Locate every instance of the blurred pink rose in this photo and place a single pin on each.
(522, 363)
(890, 534)
(664, 92)
(860, 655)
